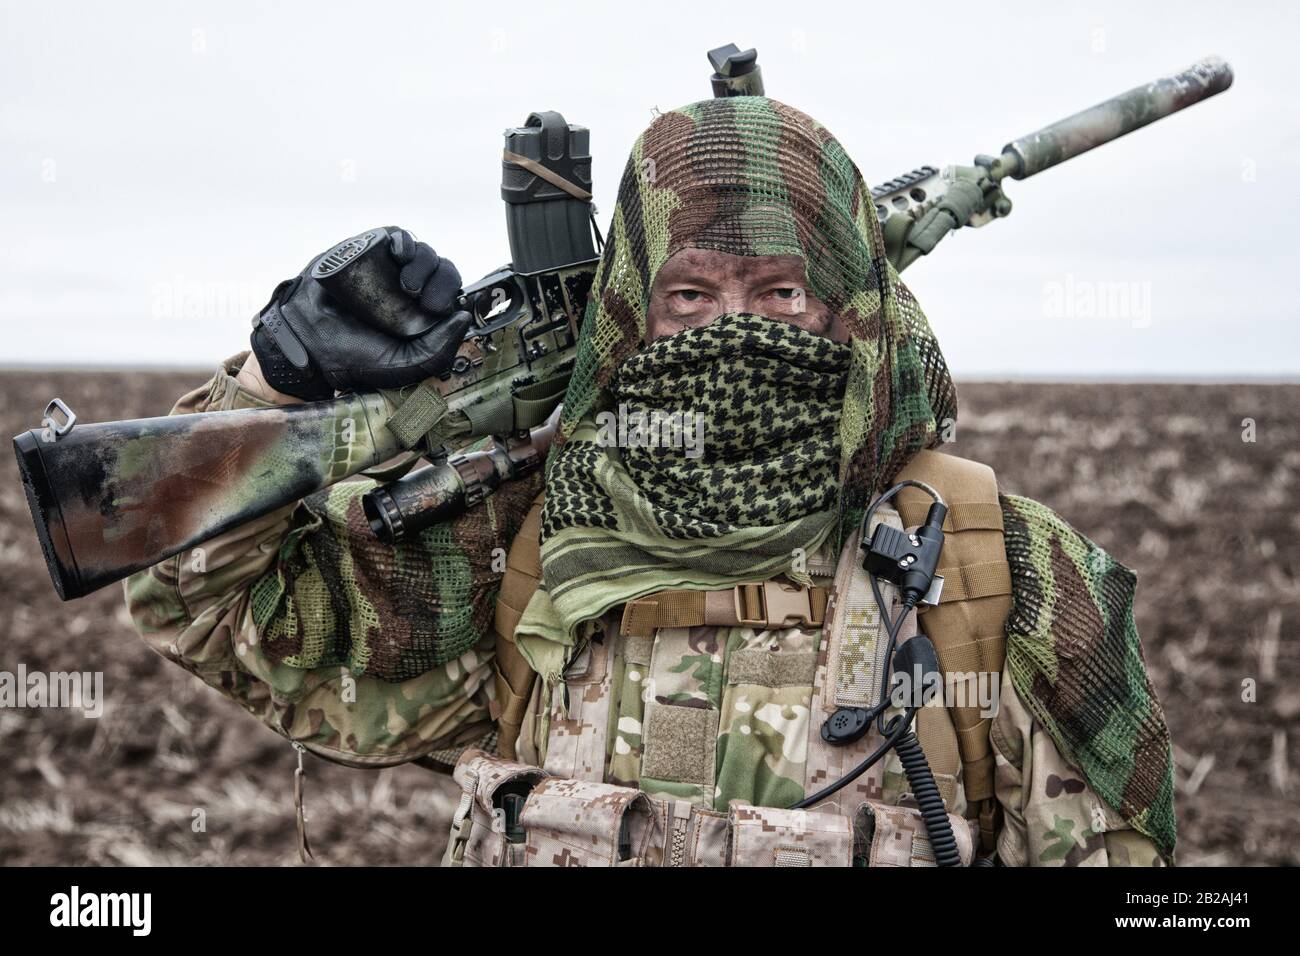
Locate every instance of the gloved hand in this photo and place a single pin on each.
(382, 314)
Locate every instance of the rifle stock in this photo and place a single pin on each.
(114, 498)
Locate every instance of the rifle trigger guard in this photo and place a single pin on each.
(69, 416)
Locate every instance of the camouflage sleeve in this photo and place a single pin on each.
(1085, 750)
(367, 654)
(1050, 814)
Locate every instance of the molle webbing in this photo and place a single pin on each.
(765, 605)
(514, 678)
(850, 664)
(571, 822)
(968, 625)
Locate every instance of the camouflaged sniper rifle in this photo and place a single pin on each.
(113, 498)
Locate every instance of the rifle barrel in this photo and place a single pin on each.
(1116, 117)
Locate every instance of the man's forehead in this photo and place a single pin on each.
(721, 265)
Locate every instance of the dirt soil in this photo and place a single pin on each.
(1159, 475)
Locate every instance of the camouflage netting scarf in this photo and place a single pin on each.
(746, 176)
(750, 176)
(1074, 657)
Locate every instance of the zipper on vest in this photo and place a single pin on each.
(681, 824)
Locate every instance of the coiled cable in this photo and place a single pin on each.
(926, 793)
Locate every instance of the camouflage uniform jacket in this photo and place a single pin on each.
(728, 711)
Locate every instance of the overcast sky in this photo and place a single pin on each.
(163, 165)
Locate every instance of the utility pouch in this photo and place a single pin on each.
(581, 823)
(768, 836)
(896, 836)
(486, 828)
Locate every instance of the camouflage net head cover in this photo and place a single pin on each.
(753, 177)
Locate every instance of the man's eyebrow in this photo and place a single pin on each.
(789, 271)
(709, 275)
(691, 276)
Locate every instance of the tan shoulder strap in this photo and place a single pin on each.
(514, 678)
(967, 626)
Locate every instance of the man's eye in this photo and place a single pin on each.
(786, 293)
(689, 295)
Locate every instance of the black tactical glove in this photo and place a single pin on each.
(376, 311)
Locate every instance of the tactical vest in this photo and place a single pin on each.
(552, 796)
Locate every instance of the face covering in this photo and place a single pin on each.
(758, 400)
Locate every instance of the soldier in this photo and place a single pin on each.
(663, 666)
